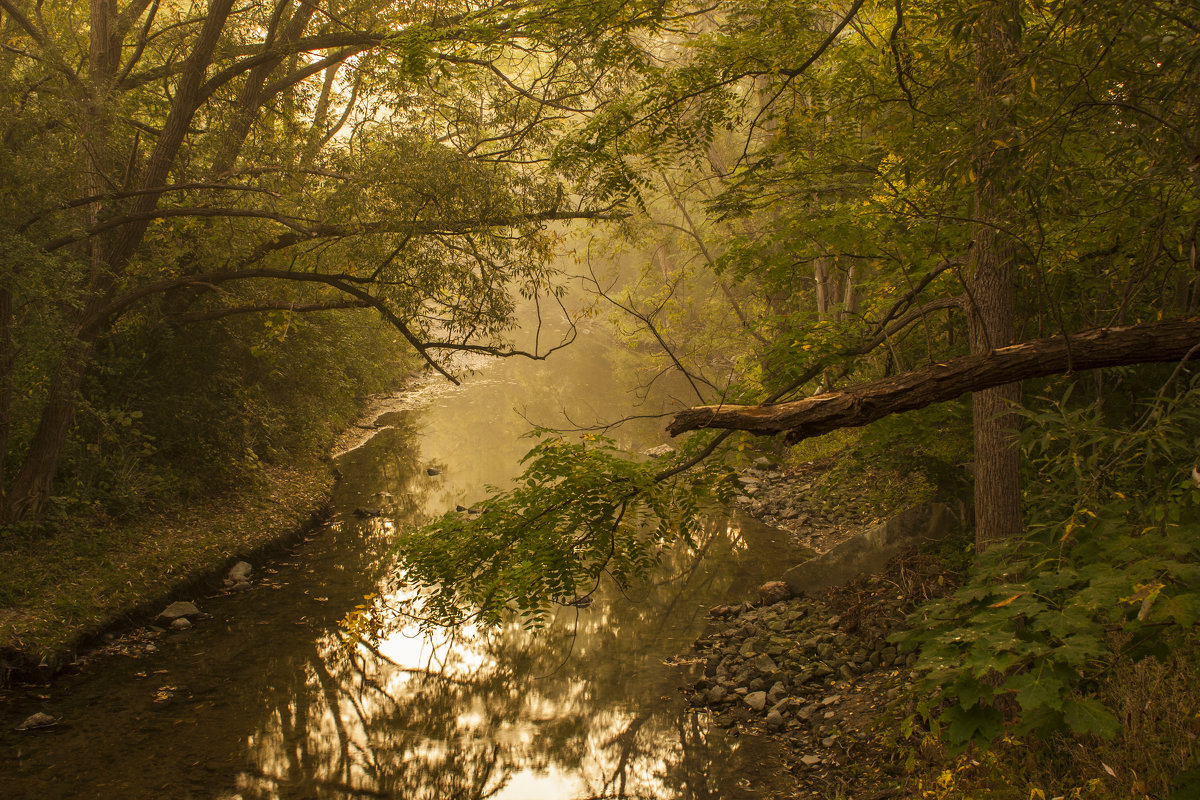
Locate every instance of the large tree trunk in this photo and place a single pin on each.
(991, 295)
(1172, 340)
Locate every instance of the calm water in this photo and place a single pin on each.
(265, 700)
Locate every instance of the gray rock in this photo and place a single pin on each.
(829, 741)
(810, 761)
(831, 699)
(363, 512)
(181, 624)
(240, 572)
(716, 694)
(870, 552)
(660, 451)
(756, 700)
(35, 721)
(846, 672)
(774, 720)
(783, 706)
(764, 664)
(431, 471)
(178, 609)
(241, 586)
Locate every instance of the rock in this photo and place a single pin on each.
(431, 471)
(660, 451)
(151, 648)
(764, 664)
(35, 721)
(810, 761)
(774, 592)
(762, 462)
(829, 741)
(716, 694)
(756, 700)
(774, 720)
(241, 586)
(846, 672)
(240, 572)
(833, 698)
(181, 624)
(870, 552)
(178, 609)
(363, 512)
(776, 691)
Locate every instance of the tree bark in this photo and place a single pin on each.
(1172, 340)
(991, 296)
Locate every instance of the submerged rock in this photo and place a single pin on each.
(181, 624)
(35, 721)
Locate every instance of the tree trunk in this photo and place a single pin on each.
(991, 298)
(30, 490)
(1153, 342)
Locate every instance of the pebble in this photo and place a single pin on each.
(756, 700)
(181, 624)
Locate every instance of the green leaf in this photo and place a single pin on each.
(1088, 715)
(979, 723)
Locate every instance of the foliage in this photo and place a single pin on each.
(581, 512)
(1109, 571)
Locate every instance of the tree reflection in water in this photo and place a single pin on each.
(585, 709)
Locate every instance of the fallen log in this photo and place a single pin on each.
(1171, 340)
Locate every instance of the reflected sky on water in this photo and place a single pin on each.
(268, 700)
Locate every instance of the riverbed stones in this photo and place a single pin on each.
(178, 610)
(181, 624)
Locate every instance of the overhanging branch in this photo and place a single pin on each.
(1167, 341)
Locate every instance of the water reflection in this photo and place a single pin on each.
(586, 709)
(265, 700)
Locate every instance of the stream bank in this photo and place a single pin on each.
(817, 673)
(78, 587)
(81, 587)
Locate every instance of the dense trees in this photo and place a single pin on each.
(1025, 168)
(184, 162)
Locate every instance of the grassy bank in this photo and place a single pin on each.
(63, 587)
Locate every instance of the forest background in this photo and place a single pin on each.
(225, 222)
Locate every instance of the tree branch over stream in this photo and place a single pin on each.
(861, 404)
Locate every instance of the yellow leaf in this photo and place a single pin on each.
(1003, 603)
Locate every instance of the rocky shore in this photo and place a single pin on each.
(817, 672)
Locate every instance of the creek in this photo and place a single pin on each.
(265, 699)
